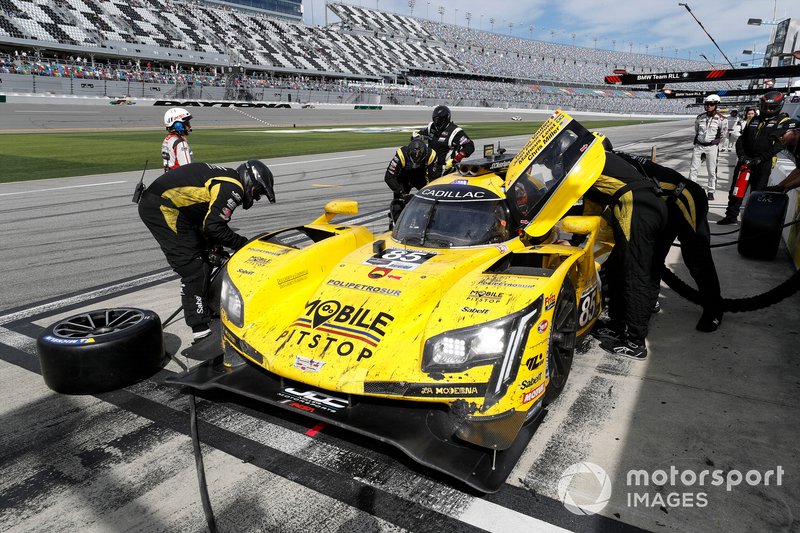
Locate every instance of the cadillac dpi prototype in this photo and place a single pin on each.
(446, 337)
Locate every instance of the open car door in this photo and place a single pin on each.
(554, 169)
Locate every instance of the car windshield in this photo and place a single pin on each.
(431, 223)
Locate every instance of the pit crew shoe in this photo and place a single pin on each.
(205, 348)
(727, 220)
(606, 332)
(709, 321)
(656, 308)
(626, 348)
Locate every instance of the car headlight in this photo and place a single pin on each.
(231, 301)
(461, 349)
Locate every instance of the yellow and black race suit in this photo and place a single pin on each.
(187, 210)
(633, 267)
(687, 220)
(400, 177)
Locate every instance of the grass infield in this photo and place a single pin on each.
(31, 156)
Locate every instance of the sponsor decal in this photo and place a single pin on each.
(549, 302)
(499, 164)
(257, 261)
(533, 394)
(502, 248)
(474, 310)
(274, 251)
(546, 132)
(331, 325)
(226, 213)
(584, 147)
(460, 182)
(530, 382)
(496, 281)
(306, 364)
(312, 398)
(59, 340)
(381, 272)
(236, 196)
(231, 203)
(396, 258)
(449, 390)
(173, 103)
(454, 195)
(542, 327)
(485, 296)
(245, 272)
(292, 278)
(306, 408)
(535, 362)
(587, 307)
(362, 287)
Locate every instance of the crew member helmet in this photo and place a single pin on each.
(441, 116)
(176, 120)
(416, 150)
(256, 179)
(770, 104)
(712, 99)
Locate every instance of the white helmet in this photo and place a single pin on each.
(177, 120)
(712, 99)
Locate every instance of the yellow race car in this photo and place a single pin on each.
(447, 336)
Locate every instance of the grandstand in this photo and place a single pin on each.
(373, 56)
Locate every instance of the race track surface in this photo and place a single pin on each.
(122, 461)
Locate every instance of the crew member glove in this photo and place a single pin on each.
(448, 164)
(217, 256)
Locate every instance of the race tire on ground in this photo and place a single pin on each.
(562, 341)
(101, 350)
(762, 222)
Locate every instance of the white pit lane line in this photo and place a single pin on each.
(65, 187)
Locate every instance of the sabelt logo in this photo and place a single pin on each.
(263, 105)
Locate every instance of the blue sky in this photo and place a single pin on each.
(645, 26)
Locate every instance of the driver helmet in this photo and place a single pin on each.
(711, 99)
(734, 113)
(441, 117)
(417, 152)
(256, 179)
(770, 104)
(176, 120)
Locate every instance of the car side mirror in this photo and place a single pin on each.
(337, 207)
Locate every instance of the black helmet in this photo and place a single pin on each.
(734, 112)
(416, 150)
(770, 104)
(441, 116)
(256, 180)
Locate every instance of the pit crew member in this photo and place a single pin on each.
(188, 210)
(175, 149)
(710, 127)
(410, 168)
(450, 143)
(788, 134)
(757, 148)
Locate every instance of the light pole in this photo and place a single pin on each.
(441, 14)
(455, 18)
(427, 7)
(411, 4)
(530, 31)
(481, 24)
(595, 42)
(468, 16)
(552, 35)
(491, 21)
(510, 27)
(613, 44)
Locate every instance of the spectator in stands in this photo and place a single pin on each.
(788, 133)
(450, 143)
(710, 127)
(188, 210)
(409, 168)
(757, 148)
(175, 149)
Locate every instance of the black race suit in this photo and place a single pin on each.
(639, 216)
(687, 219)
(449, 143)
(401, 178)
(187, 210)
(756, 141)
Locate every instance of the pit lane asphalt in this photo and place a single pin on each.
(122, 461)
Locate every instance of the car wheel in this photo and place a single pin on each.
(562, 341)
(101, 350)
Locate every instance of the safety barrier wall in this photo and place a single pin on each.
(791, 234)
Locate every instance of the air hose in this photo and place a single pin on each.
(736, 305)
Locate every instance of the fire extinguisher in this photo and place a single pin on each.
(742, 181)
